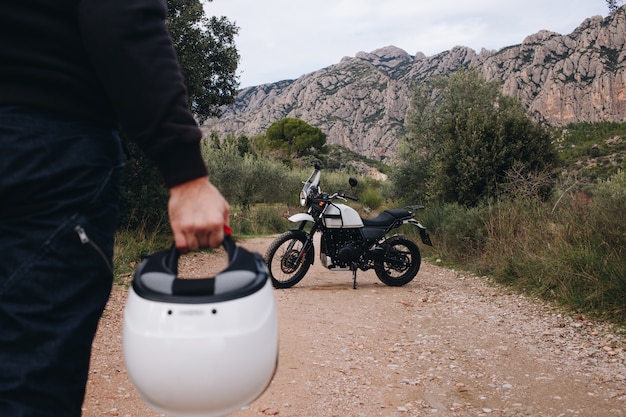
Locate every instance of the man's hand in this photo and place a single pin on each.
(198, 213)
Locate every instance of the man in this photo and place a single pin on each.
(73, 72)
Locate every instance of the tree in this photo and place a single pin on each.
(244, 178)
(207, 54)
(613, 5)
(465, 136)
(415, 150)
(143, 198)
(296, 138)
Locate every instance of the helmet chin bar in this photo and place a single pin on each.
(157, 277)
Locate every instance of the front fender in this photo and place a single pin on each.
(301, 217)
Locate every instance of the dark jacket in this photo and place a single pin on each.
(109, 62)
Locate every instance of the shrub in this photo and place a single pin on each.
(459, 232)
(259, 220)
(143, 202)
(371, 198)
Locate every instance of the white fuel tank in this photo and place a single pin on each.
(339, 216)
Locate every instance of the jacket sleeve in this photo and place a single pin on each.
(132, 53)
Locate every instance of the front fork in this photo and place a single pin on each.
(308, 245)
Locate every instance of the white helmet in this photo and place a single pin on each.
(201, 347)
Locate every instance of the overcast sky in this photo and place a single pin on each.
(284, 39)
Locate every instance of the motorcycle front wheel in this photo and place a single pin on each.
(400, 263)
(286, 259)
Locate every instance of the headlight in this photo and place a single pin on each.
(303, 198)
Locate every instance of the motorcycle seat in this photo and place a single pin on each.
(387, 218)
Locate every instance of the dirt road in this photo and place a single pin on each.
(447, 344)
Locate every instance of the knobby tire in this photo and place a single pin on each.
(400, 263)
(285, 261)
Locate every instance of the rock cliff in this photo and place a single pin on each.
(361, 102)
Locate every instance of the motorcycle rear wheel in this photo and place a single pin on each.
(400, 263)
(286, 261)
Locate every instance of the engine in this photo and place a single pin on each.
(342, 246)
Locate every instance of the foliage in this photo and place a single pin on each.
(245, 179)
(591, 151)
(371, 198)
(463, 137)
(571, 249)
(613, 5)
(262, 219)
(340, 157)
(207, 54)
(458, 232)
(131, 245)
(296, 138)
(143, 201)
(411, 174)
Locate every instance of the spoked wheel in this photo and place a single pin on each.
(287, 261)
(400, 263)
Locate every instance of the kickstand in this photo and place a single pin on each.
(353, 276)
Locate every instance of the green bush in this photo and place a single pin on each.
(372, 198)
(578, 256)
(247, 179)
(459, 232)
(260, 220)
(607, 213)
(571, 250)
(143, 196)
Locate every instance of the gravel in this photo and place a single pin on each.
(446, 344)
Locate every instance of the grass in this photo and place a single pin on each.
(131, 246)
(572, 252)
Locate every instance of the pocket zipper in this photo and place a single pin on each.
(84, 239)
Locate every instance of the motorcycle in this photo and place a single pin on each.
(348, 242)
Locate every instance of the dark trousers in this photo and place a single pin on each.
(59, 194)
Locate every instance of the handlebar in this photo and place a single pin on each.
(340, 195)
(348, 197)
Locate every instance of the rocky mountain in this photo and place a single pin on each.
(361, 102)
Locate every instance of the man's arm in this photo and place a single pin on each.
(133, 55)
